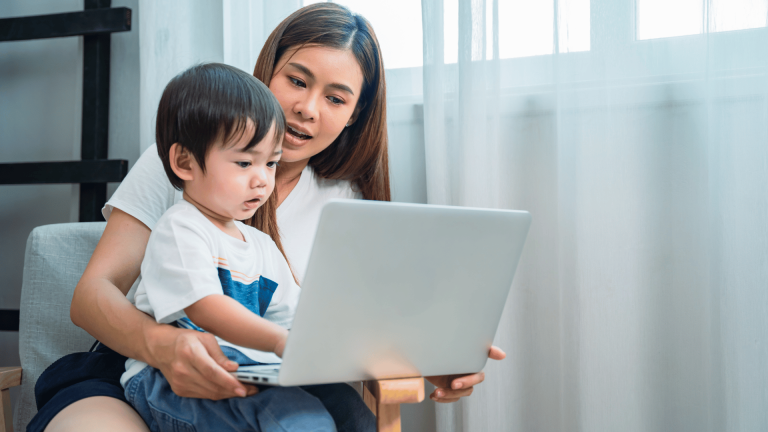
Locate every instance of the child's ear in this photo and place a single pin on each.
(181, 162)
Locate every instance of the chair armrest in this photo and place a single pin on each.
(397, 391)
(10, 377)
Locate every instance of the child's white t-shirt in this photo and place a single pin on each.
(189, 258)
(146, 193)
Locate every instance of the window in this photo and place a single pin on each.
(668, 18)
(525, 30)
(398, 27)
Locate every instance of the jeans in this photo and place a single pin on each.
(327, 407)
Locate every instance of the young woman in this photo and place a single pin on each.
(324, 65)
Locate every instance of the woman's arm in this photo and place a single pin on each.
(191, 361)
(233, 322)
(451, 388)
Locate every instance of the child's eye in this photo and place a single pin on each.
(297, 82)
(243, 164)
(336, 101)
(273, 164)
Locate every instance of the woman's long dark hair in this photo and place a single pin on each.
(359, 154)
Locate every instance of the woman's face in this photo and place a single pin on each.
(318, 88)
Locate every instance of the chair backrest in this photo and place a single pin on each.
(55, 259)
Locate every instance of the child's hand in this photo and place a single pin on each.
(280, 346)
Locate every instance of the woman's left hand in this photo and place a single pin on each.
(451, 388)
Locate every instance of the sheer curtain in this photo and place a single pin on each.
(641, 301)
(176, 34)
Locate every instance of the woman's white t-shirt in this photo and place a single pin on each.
(146, 193)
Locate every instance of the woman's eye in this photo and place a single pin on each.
(334, 100)
(243, 164)
(297, 82)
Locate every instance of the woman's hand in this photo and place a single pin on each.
(451, 388)
(194, 365)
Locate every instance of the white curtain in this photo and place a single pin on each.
(176, 34)
(641, 301)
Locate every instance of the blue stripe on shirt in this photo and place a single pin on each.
(255, 296)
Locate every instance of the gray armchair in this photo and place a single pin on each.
(55, 259)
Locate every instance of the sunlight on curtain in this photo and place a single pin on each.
(640, 303)
(397, 24)
(728, 15)
(526, 28)
(246, 26)
(668, 18)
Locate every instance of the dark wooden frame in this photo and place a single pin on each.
(96, 24)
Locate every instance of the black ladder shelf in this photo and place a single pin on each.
(95, 23)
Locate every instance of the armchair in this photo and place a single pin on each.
(55, 258)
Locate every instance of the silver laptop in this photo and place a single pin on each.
(399, 290)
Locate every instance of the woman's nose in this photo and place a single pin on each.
(308, 107)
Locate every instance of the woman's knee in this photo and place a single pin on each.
(98, 413)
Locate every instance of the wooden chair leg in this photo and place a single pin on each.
(369, 398)
(388, 418)
(5, 411)
(385, 396)
(9, 377)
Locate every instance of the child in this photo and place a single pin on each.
(219, 136)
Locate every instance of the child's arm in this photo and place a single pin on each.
(226, 318)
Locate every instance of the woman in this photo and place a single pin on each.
(324, 66)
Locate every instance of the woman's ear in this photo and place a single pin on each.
(181, 162)
(355, 114)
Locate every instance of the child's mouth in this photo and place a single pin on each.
(253, 203)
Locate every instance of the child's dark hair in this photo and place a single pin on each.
(211, 102)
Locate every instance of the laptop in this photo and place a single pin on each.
(397, 290)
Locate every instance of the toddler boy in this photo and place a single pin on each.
(219, 136)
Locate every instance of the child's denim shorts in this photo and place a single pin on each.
(308, 408)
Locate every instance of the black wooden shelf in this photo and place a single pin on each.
(95, 24)
(83, 23)
(9, 320)
(86, 171)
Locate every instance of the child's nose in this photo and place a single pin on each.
(259, 178)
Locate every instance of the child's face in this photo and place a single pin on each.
(236, 182)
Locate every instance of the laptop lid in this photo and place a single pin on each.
(398, 290)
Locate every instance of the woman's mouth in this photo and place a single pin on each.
(298, 135)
